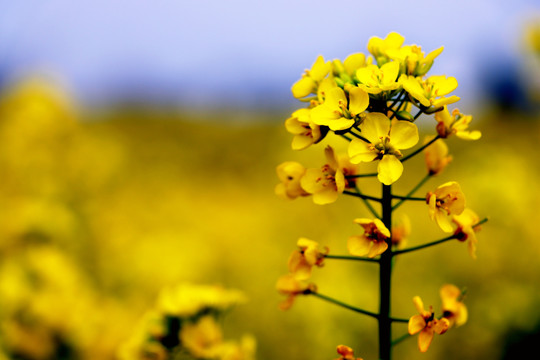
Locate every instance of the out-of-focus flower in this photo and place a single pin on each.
(291, 286)
(431, 91)
(189, 299)
(452, 307)
(401, 231)
(375, 80)
(311, 78)
(308, 255)
(425, 325)
(385, 140)
(290, 173)
(202, 338)
(436, 156)
(457, 124)
(346, 353)
(374, 240)
(327, 182)
(466, 231)
(306, 133)
(446, 200)
(338, 111)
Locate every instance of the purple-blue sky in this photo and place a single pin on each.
(240, 52)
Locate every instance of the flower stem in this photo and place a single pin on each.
(361, 175)
(413, 190)
(420, 148)
(385, 276)
(409, 198)
(348, 257)
(339, 303)
(401, 338)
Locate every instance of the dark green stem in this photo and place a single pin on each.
(413, 190)
(346, 306)
(385, 276)
(401, 338)
(409, 198)
(361, 175)
(362, 196)
(420, 149)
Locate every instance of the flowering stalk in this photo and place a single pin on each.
(368, 101)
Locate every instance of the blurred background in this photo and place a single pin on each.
(138, 146)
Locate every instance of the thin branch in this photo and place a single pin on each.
(348, 257)
(346, 306)
(399, 320)
(361, 175)
(415, 198)
(420, 148)
(413, 190)
(400, 339)
(345, 137)
(362, 196)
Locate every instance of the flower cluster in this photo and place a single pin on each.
(184, 323)
(425, 324)
(373, 102)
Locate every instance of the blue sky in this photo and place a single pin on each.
(240, 52)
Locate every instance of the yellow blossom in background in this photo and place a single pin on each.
(436, 156)
(326, 183)
(446, 200)
(374, 240)
(189, 299)
(431, 91)
(454, 310)
(466, 229)
(346, 353)
(375, 80)
(290, 173)
(203, 338)
(311, 78)
(456, 123)
(291, 286)
(385, 140)
(302, 261)
(401, 231)
(339, 112)
(426, 325)
(306, 133)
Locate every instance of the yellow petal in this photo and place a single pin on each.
(326, 196)
(389, 169)
(377, 248)
(403, 134)
(375, 126)
(301, 142)
(358, 245)
(303, 87)
(390, 71)
(358, 100)
(360, 151)
(416, 324)
(312, 181)
(424, 339)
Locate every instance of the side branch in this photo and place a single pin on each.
(339, 303)
(420, 148)
(362, 196)
(413, 190)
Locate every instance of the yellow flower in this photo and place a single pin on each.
(452, 307)
(309, 254)
(203, 338)
(306, 133)
(325, 183)
(465, 230)
(354, 62)
(447, 199)
(413, 59)
(187, 299)
(456, 123)
(426, 325)
(291, 286)
(339, 112)
(346, 353)
(290, 173)
(311, 78)
(380, 47)
(385, 140)
(374, 240)
(374, 80)
(431, 91)
(437, 157)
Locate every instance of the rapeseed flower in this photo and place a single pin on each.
(306, 133)
(374, 240)
(346, 353)
(431, 91)
(436, 156)
(311, 78)
(426, 325)
(456, 123)
(446, 200)
(291, 286)
(454, 310)
(385, 140)
(290, 173)
(374, 79)
(308, 255)
(466, 231)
